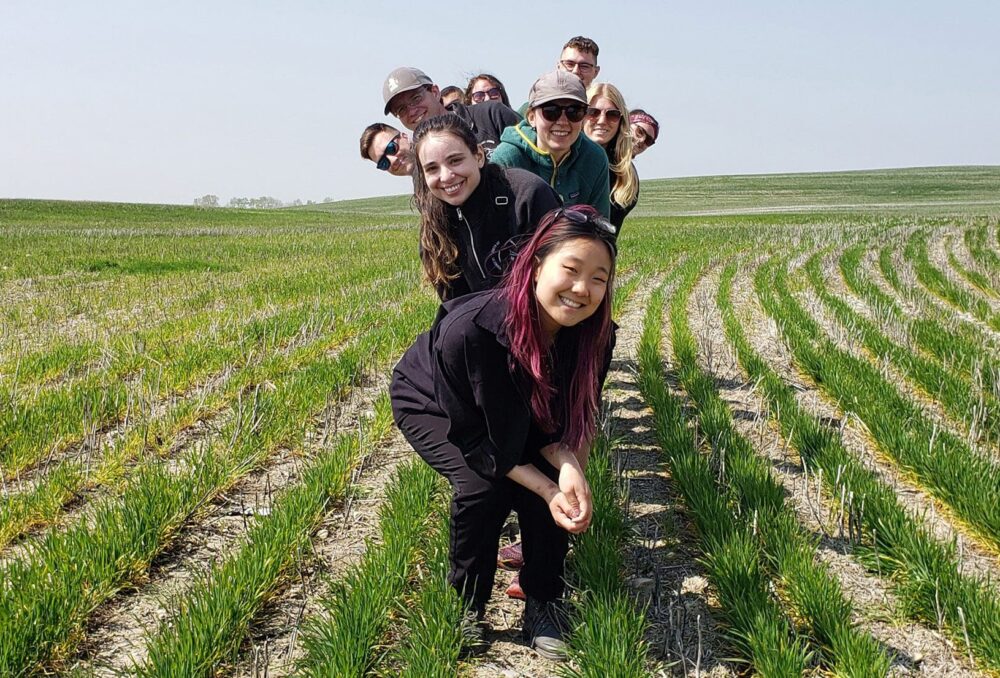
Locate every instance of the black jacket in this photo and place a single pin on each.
(487, 121)
(463, 369)
(499, 209)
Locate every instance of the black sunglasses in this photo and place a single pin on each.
(492, 93)
(574, 112)
(609, 113)
(391, 148)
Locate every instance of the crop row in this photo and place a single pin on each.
(967, 482)
(926, 574)
(980, 414)
(47, 595)
(758, 628)
(156, 434)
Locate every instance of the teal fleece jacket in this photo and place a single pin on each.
(581, 178)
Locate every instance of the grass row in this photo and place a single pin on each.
(977, 242)
(210, 622)
(347, 637)
(608, 634)
(813, 592)
(958, 347)
(971, 275)
(979, 413)
(152, 368)
(938, 283)
(925, 574)
(967, 482)
(759, 630)
(47, 595)
(156, 435)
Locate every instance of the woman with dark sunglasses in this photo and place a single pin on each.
(500, 397)
(486, 87)
(605, 126)
(469, 208)
(549, 143)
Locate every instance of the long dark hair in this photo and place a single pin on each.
(438, 250)
(529, 346)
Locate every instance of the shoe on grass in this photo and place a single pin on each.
(510, 557)
(544, 626)
(474, 631)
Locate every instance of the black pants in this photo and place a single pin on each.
(479, 508)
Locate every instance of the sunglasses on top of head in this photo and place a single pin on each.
(552, 112)
(599, 222)
(491, 93)
(391, 148)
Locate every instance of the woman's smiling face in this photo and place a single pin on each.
(557, 137)
(602, 127)
(570, 283)
(451, 170)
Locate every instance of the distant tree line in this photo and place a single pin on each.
(265, 202)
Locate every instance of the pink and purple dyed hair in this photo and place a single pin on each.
(529, 344)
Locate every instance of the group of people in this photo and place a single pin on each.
(519, 218)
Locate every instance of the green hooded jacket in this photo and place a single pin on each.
(581, 178)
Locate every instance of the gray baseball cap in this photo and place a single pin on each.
(555, 85)
(403, 79)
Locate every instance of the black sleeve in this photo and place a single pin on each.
(505, 116)
(474, 388)
(533, 199)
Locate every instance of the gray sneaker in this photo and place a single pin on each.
(544, 626)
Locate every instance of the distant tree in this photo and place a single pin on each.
(327, 199)
(310, 202)
(208, 200)
(264, 202)
(296, 203)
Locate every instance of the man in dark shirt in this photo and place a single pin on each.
(410, 95)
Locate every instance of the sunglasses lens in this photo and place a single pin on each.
(575, 112)
(383, 163)
(613, 114)
(391, 148)
(478, 97)
(493, 93)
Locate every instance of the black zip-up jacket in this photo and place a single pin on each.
(495, 212)
(463, 369)
(487, 120)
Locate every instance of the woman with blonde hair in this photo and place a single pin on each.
(606, 126)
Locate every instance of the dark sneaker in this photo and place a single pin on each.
(544, 626)
(515, 590)
(510, 557)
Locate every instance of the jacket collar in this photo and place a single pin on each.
(491, 316)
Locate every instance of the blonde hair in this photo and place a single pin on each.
(625, 185)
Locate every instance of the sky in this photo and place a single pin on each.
(163, 102)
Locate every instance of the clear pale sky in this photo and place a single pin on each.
(167, 101)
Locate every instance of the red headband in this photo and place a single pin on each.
(648, 119)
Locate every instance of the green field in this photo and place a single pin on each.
(799, 469)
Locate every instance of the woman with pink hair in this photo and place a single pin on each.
(501, 396)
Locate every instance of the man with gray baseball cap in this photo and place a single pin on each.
(410, 95)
